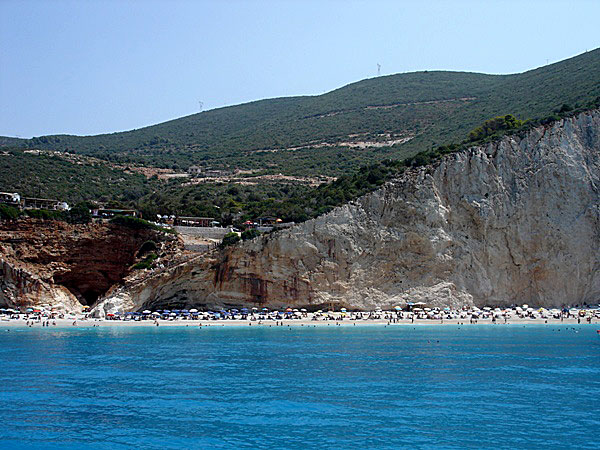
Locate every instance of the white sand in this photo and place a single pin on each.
(304, 322)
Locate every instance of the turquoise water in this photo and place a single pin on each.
(433, 386)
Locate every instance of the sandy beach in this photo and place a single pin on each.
(303, 322)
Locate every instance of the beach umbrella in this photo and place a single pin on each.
(166, 311)
(303, 310)
(156, 313)
(29, 309)
(193, 310)
(244, 310)
(147, 311)
(265, 309)
(397, 308)
(343, 310)
(185, 310)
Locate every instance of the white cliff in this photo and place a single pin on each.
(516, 221)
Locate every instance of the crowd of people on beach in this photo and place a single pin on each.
(410, 313)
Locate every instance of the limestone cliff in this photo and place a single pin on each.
(516, 221)
(68, 266)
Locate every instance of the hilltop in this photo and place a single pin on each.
(385, 117)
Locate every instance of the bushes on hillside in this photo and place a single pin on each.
(80, 213)
(136, 223)
(147, 262)
(148, 246)
(133, 223)
(8, 212)
(229, 239)
(45, 214)
(250, 234)
(493, 126)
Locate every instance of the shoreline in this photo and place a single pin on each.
(296, 323)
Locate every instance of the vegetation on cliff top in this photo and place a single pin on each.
(135, 223)
(233, 203)
(79, 214)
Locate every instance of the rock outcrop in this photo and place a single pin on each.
(515, 221)
(67, 266)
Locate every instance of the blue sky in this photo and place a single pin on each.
(88, 67)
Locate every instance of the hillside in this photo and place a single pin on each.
(331, 134)
(44, 174)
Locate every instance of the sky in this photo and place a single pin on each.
(89, 67)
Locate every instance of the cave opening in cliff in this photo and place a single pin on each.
(87, 289)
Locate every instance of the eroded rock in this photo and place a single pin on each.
(55, 263)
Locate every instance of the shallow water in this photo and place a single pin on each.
(429, 386)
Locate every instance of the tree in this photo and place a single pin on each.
(250, 234)
(229, 239)
(80, 213)
(8, 212)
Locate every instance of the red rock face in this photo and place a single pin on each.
(85, 259)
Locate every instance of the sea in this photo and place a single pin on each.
(469, 386)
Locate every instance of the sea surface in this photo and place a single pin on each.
(478, 386)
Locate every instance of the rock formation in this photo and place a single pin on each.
(515, 221)
(68, 266)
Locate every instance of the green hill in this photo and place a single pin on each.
(393, 117)
(43, 174)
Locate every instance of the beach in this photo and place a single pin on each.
(300, 322)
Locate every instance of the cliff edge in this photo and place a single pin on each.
(515, 221)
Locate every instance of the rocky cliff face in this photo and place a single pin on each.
(516, 221)
(51, 262)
